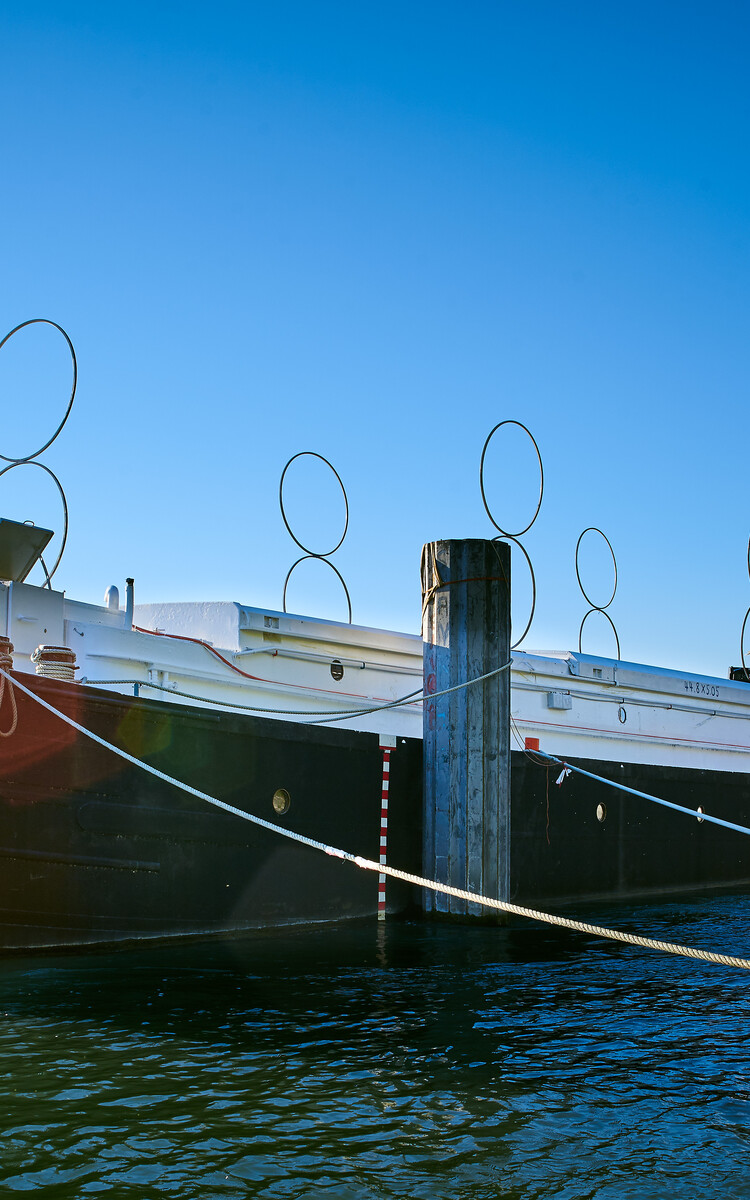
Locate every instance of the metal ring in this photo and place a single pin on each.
(313, 553)
(510, 538)
(26, 462)
(8, 336)
(505, 532)
(320, 558)
(604, 614)
(587, 598)
(742, 647)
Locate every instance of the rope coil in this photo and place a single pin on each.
(6, 664)
(55, 662)
(6, 654)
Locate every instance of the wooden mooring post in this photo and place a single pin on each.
(466, 633)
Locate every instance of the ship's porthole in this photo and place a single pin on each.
(700, 810)
(337, 670)
(281, 801)
(601, 812)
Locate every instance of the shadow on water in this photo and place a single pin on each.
(370, 1060)
(260, 965)
(268, 972)
(202, 987)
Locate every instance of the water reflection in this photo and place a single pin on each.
(420, 1060)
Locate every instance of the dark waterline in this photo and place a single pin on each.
(400, 1060)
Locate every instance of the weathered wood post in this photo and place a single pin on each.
(466, 632)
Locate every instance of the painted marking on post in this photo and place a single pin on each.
(384, 789)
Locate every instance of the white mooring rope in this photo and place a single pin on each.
(324, 717)
(366, 864)
(621, 787)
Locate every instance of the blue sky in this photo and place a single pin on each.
(373, 232)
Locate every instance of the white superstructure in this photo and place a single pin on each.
(271, 663)
(581, 706)
(303, 668)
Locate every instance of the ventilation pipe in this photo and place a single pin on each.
(112, 598)
(129, 603)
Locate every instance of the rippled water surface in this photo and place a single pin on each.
(406, 1060)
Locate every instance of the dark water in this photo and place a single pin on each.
(410, 1060)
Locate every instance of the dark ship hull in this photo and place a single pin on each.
(584, 841)
(95, 850)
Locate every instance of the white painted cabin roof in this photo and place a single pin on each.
(575, 704)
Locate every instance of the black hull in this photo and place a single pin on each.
(95, 851)
(561, 851)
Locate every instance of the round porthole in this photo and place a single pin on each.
(601, 812)
(281, 801)
(700, 810)
(337, 670)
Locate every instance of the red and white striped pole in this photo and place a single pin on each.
(387, 745)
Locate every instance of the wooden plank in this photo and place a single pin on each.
(467, 734)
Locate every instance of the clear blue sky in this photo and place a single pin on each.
(374, 231)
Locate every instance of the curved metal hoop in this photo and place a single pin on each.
(604, 614)
(26, 462)
(313, 553)
(487, 509)
(508, 538)
(743, 659)
(587, 598)
(44, 321)
(320, 558)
